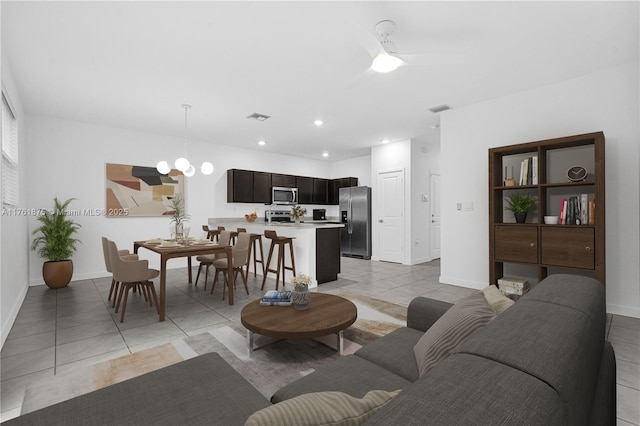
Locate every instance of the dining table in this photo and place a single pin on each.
(185, 249)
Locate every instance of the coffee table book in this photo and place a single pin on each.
(276, 303)
(277, 296)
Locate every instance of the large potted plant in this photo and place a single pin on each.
(56, 243)
(521, 204)
(179, 216)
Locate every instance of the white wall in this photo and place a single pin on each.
(67, 159)
(607, 101)
(14, 246)
(425, 159)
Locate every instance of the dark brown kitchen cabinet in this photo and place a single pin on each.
(544, 246)
(287, 181)
(305, 189)
(336, 184)
(320, 191)
(261, 187)
(239, 186)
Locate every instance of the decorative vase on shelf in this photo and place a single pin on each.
(300, 297)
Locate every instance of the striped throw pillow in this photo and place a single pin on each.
(322, 408)
(460, 321)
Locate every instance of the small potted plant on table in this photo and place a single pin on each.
(179, 217)
(297, 212)
(56, 244)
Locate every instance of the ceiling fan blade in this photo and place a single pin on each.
(432, 59)
(367, 39)
(361, 77)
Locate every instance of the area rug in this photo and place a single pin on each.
(268, 369)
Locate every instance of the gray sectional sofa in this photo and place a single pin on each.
(544, 361)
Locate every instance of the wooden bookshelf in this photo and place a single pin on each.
(548, 248)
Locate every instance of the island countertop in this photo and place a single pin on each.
(316, 244)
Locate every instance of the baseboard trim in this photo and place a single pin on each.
(463, 283)
(625, 311)
(11, 319)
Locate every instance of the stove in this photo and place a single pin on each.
(277, 216)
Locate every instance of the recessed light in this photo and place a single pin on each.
(261, 143)
(325, 154)
(385, 141)
(318, 123)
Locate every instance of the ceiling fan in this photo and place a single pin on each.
(385, 55)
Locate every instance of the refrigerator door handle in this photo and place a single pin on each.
(350, 218)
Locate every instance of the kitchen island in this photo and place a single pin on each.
(316, 245)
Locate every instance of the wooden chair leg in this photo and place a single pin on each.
(215, 280)
(115, 294)
(122, 289)
(264, 278)
(206, 276)
(280, 262)
(198, 275)
(293, 261)
(124, 302)
(152, 288)
(113, 284)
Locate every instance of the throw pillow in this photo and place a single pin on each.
(461, 320)
(497, 301)
(322, 408)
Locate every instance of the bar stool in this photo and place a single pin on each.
(253, 240)
(281, 242)
(212, 234)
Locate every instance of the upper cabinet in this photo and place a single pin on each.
(320, 191)
(566, 178)
(305, 189)
(336, 184)
(262, 187)
(249, 186)
(287, 181)
(239, 186)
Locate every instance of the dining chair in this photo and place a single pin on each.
(115, 285)
(239, 259)
(224, 239)
(132, 272)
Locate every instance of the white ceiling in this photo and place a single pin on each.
(131, 64)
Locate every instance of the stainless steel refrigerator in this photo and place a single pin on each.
(355, 213)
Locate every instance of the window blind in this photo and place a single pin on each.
(9, 155)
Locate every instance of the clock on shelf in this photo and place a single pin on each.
(577, 174)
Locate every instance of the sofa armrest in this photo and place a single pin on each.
(423, 312)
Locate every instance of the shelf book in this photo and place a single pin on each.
(276, 298)
(577, 210)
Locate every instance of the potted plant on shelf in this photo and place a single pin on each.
(179, 216)
(56, 244)
(297, 212)
(521, 204)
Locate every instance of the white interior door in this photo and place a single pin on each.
(434, 196)
(391, 216)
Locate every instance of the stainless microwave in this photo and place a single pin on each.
(284, 195)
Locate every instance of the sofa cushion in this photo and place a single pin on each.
(557, 341)
(394, 352)
(497, 301)
(465, 317)
(201, 390)
(350, 374)
(469, 390)
(322, 408)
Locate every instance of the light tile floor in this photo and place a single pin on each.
(59, 330)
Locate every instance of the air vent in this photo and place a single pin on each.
(258, 117)
(439, 108)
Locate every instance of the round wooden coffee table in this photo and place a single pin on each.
(327, 314)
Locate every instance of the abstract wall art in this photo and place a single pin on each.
(141, 191)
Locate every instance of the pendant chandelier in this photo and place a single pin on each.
(182, 163)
